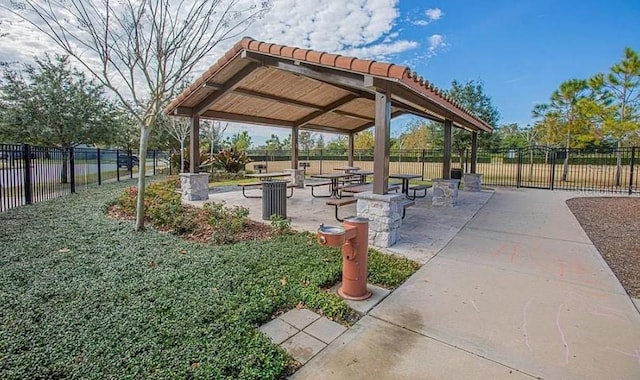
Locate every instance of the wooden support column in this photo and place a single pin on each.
(446, 159)
(194, 144)
(294, 148)
(350, 147)
(381, 148)
(474, 151)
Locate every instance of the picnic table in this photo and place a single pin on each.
(362, 174)
(347, 169)
(405, 181)
(335, 179)
(267, 176)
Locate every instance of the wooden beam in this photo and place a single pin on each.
(331, 107)
(323, 74)
(446, 160)
(236, 117)
(182, 111)
(369, 125)
(350, 147)
(294, 148)
(275, 98)
(194, 144)
(213, 85)
(227, 88)
(381, 148)
(353, 115)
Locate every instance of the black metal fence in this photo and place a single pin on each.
(611, 171)
(30, 174)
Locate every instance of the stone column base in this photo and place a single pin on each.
(445, 192)
(472, 181)
(385, 217)
(194, 186)
(297, 176)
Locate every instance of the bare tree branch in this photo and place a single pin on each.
(139, 49)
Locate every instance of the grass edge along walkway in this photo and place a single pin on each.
(84, 296)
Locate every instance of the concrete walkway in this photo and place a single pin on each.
(520, 292)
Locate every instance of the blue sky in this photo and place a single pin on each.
(520, 50)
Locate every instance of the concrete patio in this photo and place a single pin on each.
(425, 230)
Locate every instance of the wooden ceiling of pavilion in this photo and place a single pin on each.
(275, 85)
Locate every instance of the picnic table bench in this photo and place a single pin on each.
(417, 188)
(337, 203)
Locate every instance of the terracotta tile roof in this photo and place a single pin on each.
(379, 69)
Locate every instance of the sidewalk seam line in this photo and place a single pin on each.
(455, 347)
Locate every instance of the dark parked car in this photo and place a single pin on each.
(123, 161)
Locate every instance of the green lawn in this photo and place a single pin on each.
(83, 296)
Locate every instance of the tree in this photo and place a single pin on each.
(306, 140)
(50, 103)
(364, 140)
(418, 134)
(178, 129)
(471, 95)
(337, 145)
(213, 132)
(565, 108)
(239, 141)
(273, 144)
(144, 49)
(320, 142)
(619, 94)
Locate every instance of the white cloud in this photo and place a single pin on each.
(436, 43)
(380, 51)
(433, 14)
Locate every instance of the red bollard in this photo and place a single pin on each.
(354, 239)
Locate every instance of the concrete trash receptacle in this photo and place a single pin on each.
(274, 199)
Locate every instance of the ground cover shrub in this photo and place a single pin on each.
(226, 222)
(389, 271)
(84, 296)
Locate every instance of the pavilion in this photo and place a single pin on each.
(274, 85)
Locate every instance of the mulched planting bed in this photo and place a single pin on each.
(613, 225)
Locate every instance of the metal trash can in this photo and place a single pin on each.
(274, 199)
(456, 173)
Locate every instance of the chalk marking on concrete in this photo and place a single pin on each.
(514, 253)
(564, 340)
(635, 355)
(474, 305)
(524, 323)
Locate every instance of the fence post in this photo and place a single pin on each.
(553, 168)
(72, 169)
(28, 186)
(321, 158)
(130, 163)
(466, 160)
(117, 165)
(154, 162)
(631, 169)
(422, 162)
(99, 167)
(519, 173)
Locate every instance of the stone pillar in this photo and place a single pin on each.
(297, 176)
(472, 181)
(445, 192)
(194, 186)
(385, 217)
